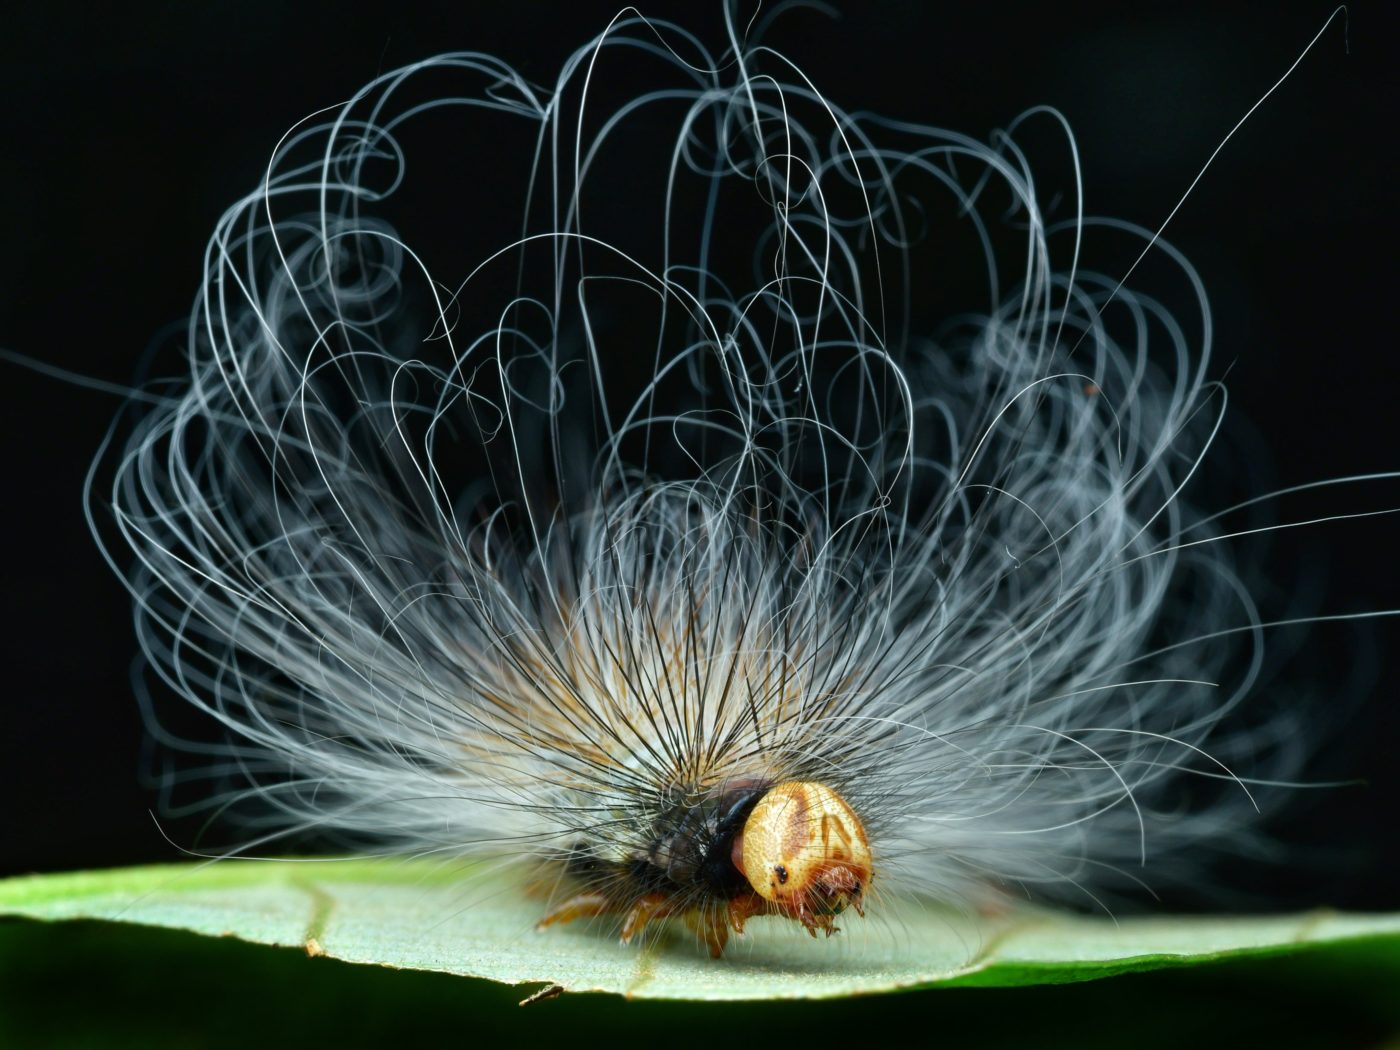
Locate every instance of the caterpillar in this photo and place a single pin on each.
(670, 538)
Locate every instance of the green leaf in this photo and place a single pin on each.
(480, 923)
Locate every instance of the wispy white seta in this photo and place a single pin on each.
(646, 475)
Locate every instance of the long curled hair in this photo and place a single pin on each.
(680, 471)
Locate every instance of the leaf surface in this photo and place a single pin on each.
(480, 923)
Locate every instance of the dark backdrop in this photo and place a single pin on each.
(126, 132)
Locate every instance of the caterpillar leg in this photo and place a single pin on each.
(579, 906)
(743, 908)
(589, 905)
(645, 909)
(712, 927)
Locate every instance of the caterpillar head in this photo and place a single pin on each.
(803, 849)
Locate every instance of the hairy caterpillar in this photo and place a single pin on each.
(468, 566)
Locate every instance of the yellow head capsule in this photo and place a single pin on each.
(804, 850)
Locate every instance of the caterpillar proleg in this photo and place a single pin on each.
(672, 537)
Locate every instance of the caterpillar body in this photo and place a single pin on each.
(698, 565)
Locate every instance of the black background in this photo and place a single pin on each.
(125, 133)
